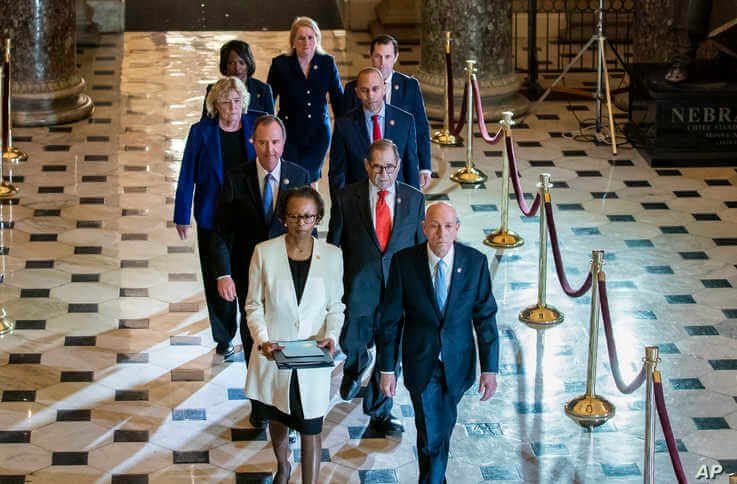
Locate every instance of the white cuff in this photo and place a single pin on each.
(222, 277)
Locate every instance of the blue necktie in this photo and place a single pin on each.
(268, 199)
(440, 290)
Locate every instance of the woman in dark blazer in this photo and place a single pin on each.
(236, 59)
(215, 145)
(300, 81)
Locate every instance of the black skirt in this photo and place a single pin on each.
(296, 420)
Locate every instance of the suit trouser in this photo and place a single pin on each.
(436, 412)
(245, 334)
(356, 337)
(222, 313)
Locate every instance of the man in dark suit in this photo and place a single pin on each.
(371, 220)
(402, 91)
(439, 294)
(245, 213)
(371, 121)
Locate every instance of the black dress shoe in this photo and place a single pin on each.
(349, 389)
(386, 425)
(225, 349)
(257, 423)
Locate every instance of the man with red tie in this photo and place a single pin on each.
(371, 121)
(371, 220)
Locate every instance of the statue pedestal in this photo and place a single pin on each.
(689, 124)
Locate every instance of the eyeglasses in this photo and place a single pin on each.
(307, 218)
(228, 102)
(388, 169)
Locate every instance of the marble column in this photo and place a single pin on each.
(482, 30)
(658, 29)
(47, 88)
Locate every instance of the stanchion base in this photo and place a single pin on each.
(504, 239)
(590, 411)
(8, 190)
(541, 317)
(468, 176)
(14, 155)
(7, 325)
(444, 138)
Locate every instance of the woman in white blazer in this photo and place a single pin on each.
(295, 292)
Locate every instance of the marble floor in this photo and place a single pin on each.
(111, 375)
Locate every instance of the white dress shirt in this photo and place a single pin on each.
(275, 177)
(388, 84)
(389, 198)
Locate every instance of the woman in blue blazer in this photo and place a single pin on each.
(215, 145)
(236, 59)
(300, 81)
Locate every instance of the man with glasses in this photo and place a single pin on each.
(371, 220)
(370, 122)
(245, 216)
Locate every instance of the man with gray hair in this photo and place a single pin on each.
(371, 220)
(438, 296)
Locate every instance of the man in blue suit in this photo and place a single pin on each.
(402, 91)
(371, 121)
(439, 294)
(371, 220)
(245, 215)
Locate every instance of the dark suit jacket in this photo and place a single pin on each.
(351, 142)
(240, 223)
(365, 267)
(407, 95)
(302, 103)
(410, 297)
(261, 98)
(202, 170)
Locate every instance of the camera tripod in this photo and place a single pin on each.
(602, 77)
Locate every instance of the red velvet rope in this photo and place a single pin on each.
(514, 175)
(611, 346)
(455, 129)
(670, 441)
(559, 268)
(480, 117)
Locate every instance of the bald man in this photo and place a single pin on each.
(371, 121)
(439, 294)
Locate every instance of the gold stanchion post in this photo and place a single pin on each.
(651, 376)
(444, 137)
(541, 315)
(733, 478)
(503, 238)
(591, 410)
(469, 175)
(7, 189)
(10, 153)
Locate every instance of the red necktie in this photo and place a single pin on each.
(383, 220)
(377, 128)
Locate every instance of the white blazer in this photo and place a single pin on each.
(273, 314)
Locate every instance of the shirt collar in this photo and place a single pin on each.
(388, 80)
(381, 112)
(375, 190)
(434, 258)
(275, 173)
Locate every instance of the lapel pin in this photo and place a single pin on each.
(396, 87)
(314, 67)
(391, 122)
(258, 95)
(459, 270)
(399, 200)
(286, 181)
